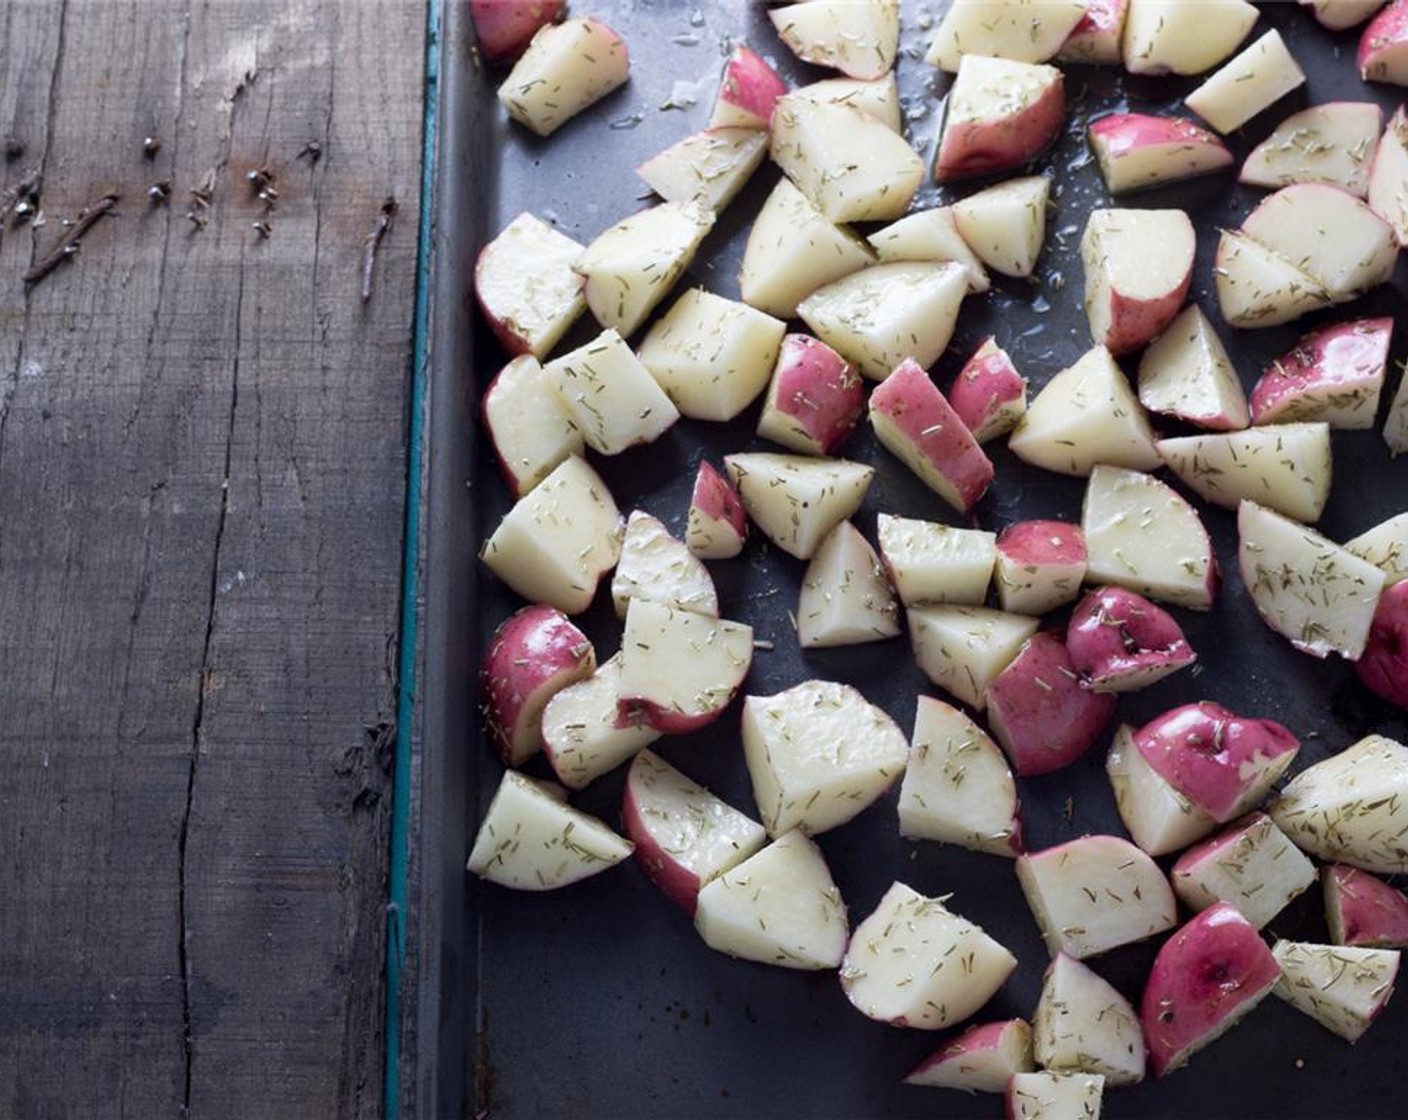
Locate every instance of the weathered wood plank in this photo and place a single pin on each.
(201, 470)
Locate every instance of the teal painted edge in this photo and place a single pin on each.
(399, 858)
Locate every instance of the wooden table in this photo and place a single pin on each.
(203, 459)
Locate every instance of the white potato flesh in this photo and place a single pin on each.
(1005, 225)
(610, 396)
(818, 753)
(1187, 373)
(958, 788)
(930, 235)
(712, 355)
(1175, 37)
(1385, 546)
(779, 907)
(656, 566)
(914, 963)
(1285, 467)
(815, 143)
(1253, 865)
(1341, 987)
(1332, 143)
(1086, 414)
(566, 67)
(934, 563)
(1330, 234)
(530, 429)
(1083, 1025)
(558, 539)
(1138, 264)
(531, 840)
(1388, 176)
(631, 267)
(1043, 1095)
(1095, 893)
(1352, 807)
(1142, 534)
(1307, 588)
(1022, 30)
(679, 668)
(1258, 287)
(878, 97)
(528, 286)
(963, 649)
(980, 1060)
(1252, 82)
(708, 167)
(1396, 423)
(878, 317)
(845, 598)
(796, 500)
(793, 250)
(859, 39)
(582, 735)
(1159, 818)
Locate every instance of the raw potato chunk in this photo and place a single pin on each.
(999, 115)
(1141, 534)
(980, 1060)
(796, 500)
(845, 598)
(1388, 176)
(933, 563)
(1121, 642)
(504, 28)
(708, 167)
(818, 754)
(532, 841)
(1040, 566)
(528, 287)
(1255, 80)
(989, 394)
(1383, 666)
(1136, 151)
(633, 265)
(1175, 37)
(878, 317)
(814, 400)
(656, 566)
(583, 736)
(930, 235)
(1385, 546)
(1352, 807)
(1334, 374)
(963, 649)
(1307, 588)
(1020, 30)
(814, 142)
(1396, 424)
(611, 398)
(1382, 56)
(1159, 818)
(717, 523)
(1332, 143)
(1086, 415)
(792, 251)
(915, 963)
(566, 67)
(1005, 225)
(856, 37)
(748, 91)
(878, 97)
(530, 430)
(1094, 893)
(1186, 373)
(1258, 287)
(1363, 910)
(1138, 266)
(1096, 38)
(711, 355)
(1285, 467)
(1043, 1095)
(957, 788)
(1342, 988)
(779, 907)
(558, 539)
(1252, 865)
(1083, 1025)
(1340, 14)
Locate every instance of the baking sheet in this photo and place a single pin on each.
(599, 1000)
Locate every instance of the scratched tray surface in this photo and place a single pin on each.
(600, 999)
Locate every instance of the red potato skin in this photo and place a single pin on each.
(1115, 632)
(668, 721)
(1202, 750)
(679, 884)
(912, 400)
(987, 147)
(988, 382)
(505, 27)
(819, 390)
(751, 85)
(1373, 914)
(1040, 713)
(1120, 133)
(1043, 542)
(1215, 968)
(1383, 666)
(1383, 48)
(1134, 323)
(1345, 356)
(1102, 17)
(715, 497)
(532, 656)
(976, 1040)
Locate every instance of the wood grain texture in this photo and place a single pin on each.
(202, 466)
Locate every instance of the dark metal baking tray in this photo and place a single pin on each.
(599, 1000)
